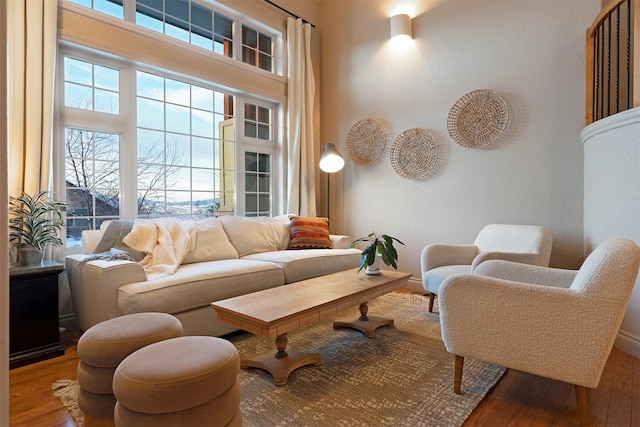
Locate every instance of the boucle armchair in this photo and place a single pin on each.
(529, 244)
(560, 325)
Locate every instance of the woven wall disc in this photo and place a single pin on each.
(477, 118)
(366, 141)
(414, 153)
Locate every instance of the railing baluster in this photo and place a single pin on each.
(608, 94)
(628, 57)
(617, 97)
(601, 60)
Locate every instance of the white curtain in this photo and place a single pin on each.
(32, 40)
(32, 28)
(301, 189)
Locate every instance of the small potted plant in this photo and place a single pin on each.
(379, 248)
(34, 222)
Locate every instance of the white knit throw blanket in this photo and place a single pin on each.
(166, 241)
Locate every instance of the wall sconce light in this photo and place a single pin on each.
(331, 161)
(401, 26)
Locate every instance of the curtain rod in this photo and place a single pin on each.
(291, 14)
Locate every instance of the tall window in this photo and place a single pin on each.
(138, 139)
(185, 143)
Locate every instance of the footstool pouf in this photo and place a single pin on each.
(103, 346)
(181, 381)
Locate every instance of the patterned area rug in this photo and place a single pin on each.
(67, 392)
(401, 377)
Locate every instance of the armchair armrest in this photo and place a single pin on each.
(526, 273)
(94, 287)
(439, 254)
(547, 331)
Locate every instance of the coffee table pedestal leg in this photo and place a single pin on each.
(365, 324)
(283, 362)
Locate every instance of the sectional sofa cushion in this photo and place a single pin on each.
(251, 235)
(197, 285)
(212, 243)
(304, 264)
(309, 233)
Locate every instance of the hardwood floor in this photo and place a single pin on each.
(518, 399)
(522, 399)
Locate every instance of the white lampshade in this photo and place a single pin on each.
(331, 160)
(401, 26)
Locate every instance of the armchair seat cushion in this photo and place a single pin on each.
(432, 279)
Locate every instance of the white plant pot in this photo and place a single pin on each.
(375, 267)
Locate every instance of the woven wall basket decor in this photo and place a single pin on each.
(366, 141)
(414, 153)
(478, 118)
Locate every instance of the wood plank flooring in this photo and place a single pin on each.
(519, 399)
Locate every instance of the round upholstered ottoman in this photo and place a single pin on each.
(186, 381)
(103, 346)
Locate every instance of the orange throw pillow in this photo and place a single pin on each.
(309, 233)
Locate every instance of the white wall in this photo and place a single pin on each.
(532, 52)
(612, 199)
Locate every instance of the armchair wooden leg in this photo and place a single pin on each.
(582, 398)
(432, 297)
(457, 376)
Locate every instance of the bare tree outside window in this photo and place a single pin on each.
(92, 164)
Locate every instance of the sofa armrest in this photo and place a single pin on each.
(339, 241)
(95, 284)
(90, 239)
(439, 254)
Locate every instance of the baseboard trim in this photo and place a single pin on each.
(628, 343)
(416, 285)
(68, 322)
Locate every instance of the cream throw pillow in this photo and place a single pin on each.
(257, 234)
(212, 243)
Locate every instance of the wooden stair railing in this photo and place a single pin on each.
(613, 48)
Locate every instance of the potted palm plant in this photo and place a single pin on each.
(379, 248)
(34, 222)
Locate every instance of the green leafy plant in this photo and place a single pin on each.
(35, 220)
(383, 245)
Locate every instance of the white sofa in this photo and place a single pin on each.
(232, 256)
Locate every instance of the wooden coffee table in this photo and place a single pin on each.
(273, 312)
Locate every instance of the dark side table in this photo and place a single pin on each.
(34, 333)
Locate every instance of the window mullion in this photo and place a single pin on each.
(128, 147)
(130, 10)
